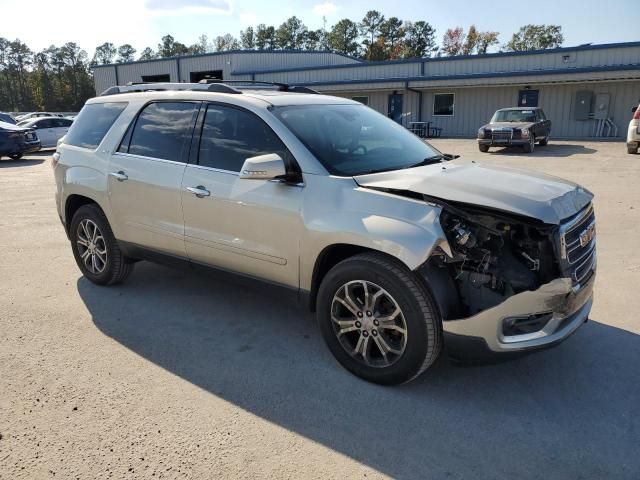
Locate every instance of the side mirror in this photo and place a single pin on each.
(263, 167)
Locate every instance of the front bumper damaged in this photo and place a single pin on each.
(564, 306)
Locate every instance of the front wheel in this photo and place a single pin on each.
(95, 248)
(528, 147)
(378, 320)
(632, 150)
(483, 148)
(15, 156)
(544, 142)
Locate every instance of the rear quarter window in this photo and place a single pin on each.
(93, 123)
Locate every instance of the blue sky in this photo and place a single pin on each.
(143, 22)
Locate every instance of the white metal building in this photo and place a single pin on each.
(586, 91)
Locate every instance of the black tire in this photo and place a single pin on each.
(117, 267)
(423, 323)
(544, 142)
(15, 156)
(483, 148)
(529, 147)
(632, 150)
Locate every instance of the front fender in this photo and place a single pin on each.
(404, 228)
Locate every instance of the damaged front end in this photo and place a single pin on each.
(510, 283)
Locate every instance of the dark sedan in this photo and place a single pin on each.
(515, 126)
(16, 141)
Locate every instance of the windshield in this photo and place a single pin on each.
(514, 116)
(354, 139)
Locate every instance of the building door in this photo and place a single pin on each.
(195, 77)
(528, 98)
(395, 107)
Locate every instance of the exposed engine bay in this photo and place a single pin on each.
(493, 256)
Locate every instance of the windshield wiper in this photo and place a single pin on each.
(428, 161)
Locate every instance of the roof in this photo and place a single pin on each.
(365, 63)
(229, 52)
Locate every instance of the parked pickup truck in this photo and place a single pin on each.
(515, 126)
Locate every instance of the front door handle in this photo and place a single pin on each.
(199, 191)
(120, 176)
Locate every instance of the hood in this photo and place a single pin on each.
(510, 125)
(535, 195)
(11, 126)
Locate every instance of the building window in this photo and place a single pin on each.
(362, 100)
(156, 78)
(443, 104)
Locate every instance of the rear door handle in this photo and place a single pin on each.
(199, 191)
(120, 176)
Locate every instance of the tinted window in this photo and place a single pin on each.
(62, 122)
(47, 123)
(541, 115)
(230, 136)
(163, 130)
(92, 124)
(443, 104)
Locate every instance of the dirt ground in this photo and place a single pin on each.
(180, 375)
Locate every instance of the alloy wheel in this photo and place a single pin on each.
(91, 246)
(369, 323)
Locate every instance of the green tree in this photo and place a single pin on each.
(104, 54)
(343, 37)
(419, 40)
(486, 40)
(392, 33)
(170, 48)
(265, 37)
(225, 42)
(126, 53)
(536, 37)
(291, 34)
(370, 29)
(147, 54)
(248, 38)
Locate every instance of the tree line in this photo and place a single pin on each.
(60, 78)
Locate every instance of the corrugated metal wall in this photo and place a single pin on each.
(105, 76)
(475, 106)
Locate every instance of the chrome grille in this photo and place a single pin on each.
(578, 246)
(501, 136)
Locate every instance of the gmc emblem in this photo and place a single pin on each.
(587, 234)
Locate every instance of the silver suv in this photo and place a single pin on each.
(400, 252)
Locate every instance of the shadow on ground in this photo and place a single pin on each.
(550, 150)
(23, 162)
(569, 412)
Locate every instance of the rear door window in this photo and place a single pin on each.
(163, 130)
(93, 123)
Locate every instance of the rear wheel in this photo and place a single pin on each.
(632, 150)
(95, 248)
(483, 148)
(15, 156)
(378, 320)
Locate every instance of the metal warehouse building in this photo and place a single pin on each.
(587, 91)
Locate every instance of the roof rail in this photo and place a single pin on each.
(155, 87)
(206, 85)
(281, 87)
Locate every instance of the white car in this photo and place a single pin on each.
(49, 129)
(32, 115)
(633, 135)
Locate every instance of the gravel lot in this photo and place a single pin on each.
(182, 375)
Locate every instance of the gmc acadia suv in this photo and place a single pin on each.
(399, 251)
